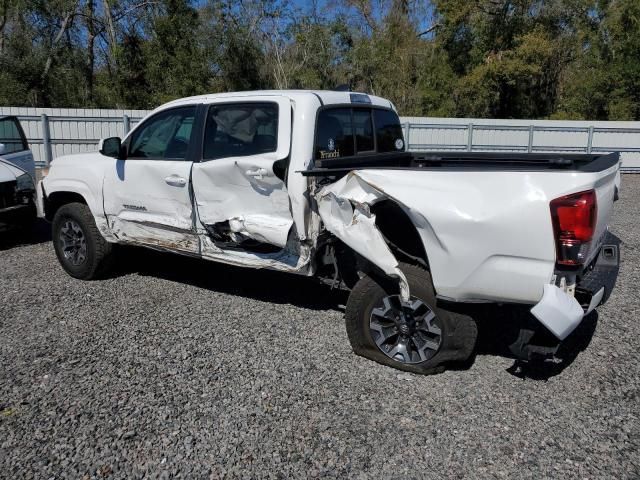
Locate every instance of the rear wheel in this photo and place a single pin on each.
(416, 336)
(79, 246)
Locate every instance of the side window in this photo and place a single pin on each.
(11, 137)
(388, 131)
(240, 129)
(164, 136)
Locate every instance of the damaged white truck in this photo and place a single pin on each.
(320, 184)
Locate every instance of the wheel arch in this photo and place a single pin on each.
(55, 200)
(400, 233)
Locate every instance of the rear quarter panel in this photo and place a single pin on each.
(488, 234)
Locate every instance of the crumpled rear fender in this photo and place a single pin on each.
(344, 208)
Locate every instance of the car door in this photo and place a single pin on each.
(239, 188)
(147, 196)
(14, 147)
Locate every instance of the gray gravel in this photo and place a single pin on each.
(177, 368)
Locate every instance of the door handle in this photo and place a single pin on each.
(258, 172)
(175, 181)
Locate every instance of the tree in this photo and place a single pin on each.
(480, 58)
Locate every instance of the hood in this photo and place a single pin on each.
(8, 171)
(75, 158)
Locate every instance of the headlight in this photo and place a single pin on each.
(24, 182)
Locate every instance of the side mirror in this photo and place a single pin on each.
(3, 149)
(111, 147)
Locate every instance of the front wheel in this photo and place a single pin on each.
(415, 336)
(79, 246)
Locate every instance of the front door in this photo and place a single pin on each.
(147, 197)
(239, 184)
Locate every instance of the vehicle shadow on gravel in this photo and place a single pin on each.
(39, 232)
(498, 326)
(265, 285)
(498, 329)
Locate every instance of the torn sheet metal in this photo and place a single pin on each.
(344, 209)
(285, 260)
(263, 228)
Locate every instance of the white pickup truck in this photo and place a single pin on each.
(319, 183)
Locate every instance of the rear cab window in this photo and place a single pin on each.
(356, 130)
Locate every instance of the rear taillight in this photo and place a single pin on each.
(574, 221)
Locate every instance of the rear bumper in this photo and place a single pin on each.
(561, 313)
(600, 278)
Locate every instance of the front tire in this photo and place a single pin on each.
(418, 336)
(79, 246)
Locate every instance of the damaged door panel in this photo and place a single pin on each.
(345, 210)
(253, 233)
(157, 236)
(146, 196)
(140, 204)
(240, 201)
(293, 259)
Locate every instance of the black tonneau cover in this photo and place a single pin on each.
(466, 161)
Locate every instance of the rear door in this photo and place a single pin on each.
(147, 197)
(240, 193)
(14, 147)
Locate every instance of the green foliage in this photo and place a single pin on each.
(574, 59)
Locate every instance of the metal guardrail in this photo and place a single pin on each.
(410, 131)
(529, 147)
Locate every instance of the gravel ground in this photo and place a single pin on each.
(177, 368)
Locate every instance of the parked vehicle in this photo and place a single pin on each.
(17, 173)
(319, 184)
(14, 147)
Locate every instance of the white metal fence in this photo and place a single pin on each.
(52, 132)
(55, 132)
(483, 135)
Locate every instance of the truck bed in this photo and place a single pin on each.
(466, 161)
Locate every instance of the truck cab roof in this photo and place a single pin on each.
(325, 97)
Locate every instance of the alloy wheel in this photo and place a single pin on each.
(73, 242)
(408, 332)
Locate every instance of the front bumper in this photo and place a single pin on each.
(16, 215)
(561, 313)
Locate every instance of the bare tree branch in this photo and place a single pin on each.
(429, 30)
(54, 45)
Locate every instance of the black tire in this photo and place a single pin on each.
(456, 340)
(98, 253)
